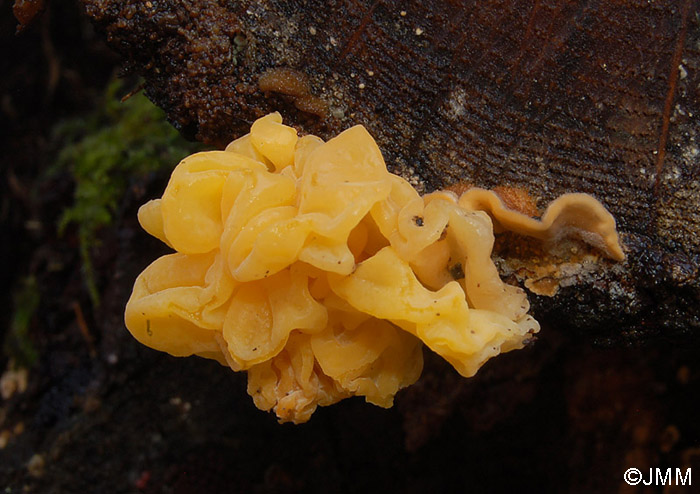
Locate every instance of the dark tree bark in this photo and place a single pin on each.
(552, 96)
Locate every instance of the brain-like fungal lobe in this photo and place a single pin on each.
(322, 275)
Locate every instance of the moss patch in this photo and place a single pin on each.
(103, 151)
(18, 344)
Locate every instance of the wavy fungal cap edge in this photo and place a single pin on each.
(312, 268)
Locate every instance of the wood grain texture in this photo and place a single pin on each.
(552, 96)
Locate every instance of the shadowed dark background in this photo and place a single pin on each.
(551, 96)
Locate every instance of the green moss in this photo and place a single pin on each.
(103, 151)
(18, 344)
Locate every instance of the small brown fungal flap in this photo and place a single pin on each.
(295, 85)
(580, 215)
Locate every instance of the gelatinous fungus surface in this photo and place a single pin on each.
(310, 266)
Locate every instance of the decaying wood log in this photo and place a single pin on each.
(551, 96)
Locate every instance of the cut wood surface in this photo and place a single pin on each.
(549, 96)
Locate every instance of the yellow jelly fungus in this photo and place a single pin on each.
(310, 266)
(577, 214)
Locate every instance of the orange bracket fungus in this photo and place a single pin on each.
(312, 268)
